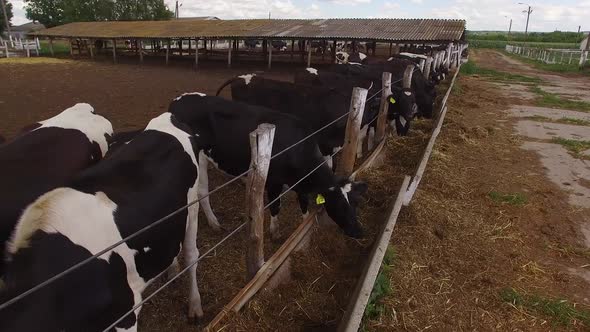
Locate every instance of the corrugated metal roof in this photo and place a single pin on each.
(361, 29)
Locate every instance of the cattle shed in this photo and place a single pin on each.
(227, 38)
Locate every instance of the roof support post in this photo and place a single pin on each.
(309, 53)
(114, 51)
(292, 48)
(90, 48)
(390, 49)
(449, 52)
(189, 47)
(270, 55)
(50, 46)
(71, 48)
(334, 51)
(383, 108)
(140, 49)
(229, 54)
(196, 53)
(167, 51)
(180, 46)
(427, 67)
(353, 128)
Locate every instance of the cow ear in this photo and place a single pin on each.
(360, 187)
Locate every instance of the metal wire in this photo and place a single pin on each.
(142, 302)
(235, 231)
(104, 251)
(161, 220)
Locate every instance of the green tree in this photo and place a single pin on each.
(56, 12)
(8, 13)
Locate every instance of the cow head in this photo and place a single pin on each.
(402, 109)
(342, 57)
(341, 202)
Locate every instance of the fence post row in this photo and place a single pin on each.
(383, 108)
(261, 141)
(353, 128)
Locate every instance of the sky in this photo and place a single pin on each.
(565, 15)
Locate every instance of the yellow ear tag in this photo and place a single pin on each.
(320, 200)
(392, 100)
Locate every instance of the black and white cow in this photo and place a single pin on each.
(317, 106)
(223, 127)
(2, 139)
(45, 156)
(343, 57)
(402, 103)
(424, 90)
(279, 45)
(147, 179)
(251, 43)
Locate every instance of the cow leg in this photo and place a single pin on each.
(191, 255)
(273, 192)
(204, 190)
(359, 145)
(329, 161)
(303, 204)
(173, 269)
(371, 140)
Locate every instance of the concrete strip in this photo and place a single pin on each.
(551, 113)
(547, 130)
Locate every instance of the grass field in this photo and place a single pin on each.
(501, 44)
(471, 68)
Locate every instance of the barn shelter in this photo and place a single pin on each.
(254, 38)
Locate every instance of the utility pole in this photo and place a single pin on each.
(510, 27)
(579, 28)
(3, 2)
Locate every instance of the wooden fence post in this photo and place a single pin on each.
(90, 48)
(261, 141)
(6, 50)
(353, 128)
(51, 46)
(383, 108)
(427, 68)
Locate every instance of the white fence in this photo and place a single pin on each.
(10, 47)
(550, 55)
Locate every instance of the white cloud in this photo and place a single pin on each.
(228, 9)
(490, 15)
(18, 12)
(417, 1)
(350, 2)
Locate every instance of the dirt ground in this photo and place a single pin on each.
(461, 255)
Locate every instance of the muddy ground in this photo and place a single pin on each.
(491, 240)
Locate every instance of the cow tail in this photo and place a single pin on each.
(228, 82)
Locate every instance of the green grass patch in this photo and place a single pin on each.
(547, 99)
(512, 199)
(501, 44)
(59, 48)
(574, 146)
(561, 312)
(381, 288)
(554, 67)
(471, 68)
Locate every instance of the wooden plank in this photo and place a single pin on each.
(383, 107)
(265, 272)
(422, 167)
(353, 127)
(261, 149)
(368, 163)
(358, 302)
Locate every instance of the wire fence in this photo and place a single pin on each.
(550, 55)
(179, 210)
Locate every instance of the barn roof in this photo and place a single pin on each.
(418, 30)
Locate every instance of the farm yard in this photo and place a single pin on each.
(488, 242)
